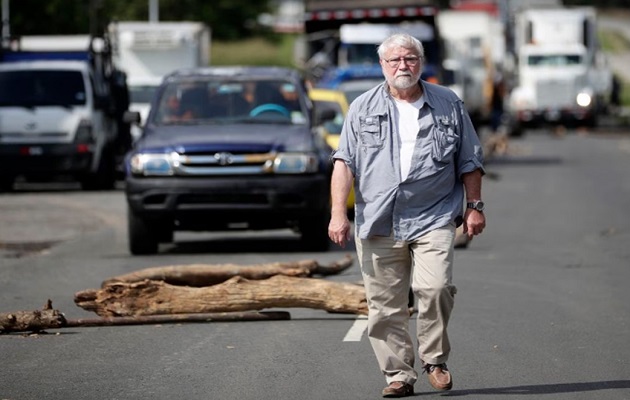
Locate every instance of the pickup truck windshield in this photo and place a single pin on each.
(30, 88)
(225, 101)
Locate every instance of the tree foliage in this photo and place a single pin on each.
(228, 19)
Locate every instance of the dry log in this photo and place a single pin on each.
(335, 267)
(150, 297)
(200, 275)
(32, 321)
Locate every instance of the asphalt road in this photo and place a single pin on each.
(542, 311)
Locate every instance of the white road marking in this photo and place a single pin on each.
(355, 332)
(624, 146)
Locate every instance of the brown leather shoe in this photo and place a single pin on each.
(398, 389)
(439, 376)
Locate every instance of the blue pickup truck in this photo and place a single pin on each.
(229, 148)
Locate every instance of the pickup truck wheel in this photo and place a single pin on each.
(165, 233)
(142, 238)
(516, 130)
(314, 232)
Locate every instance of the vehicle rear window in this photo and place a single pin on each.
(142, 93)
(42, 88)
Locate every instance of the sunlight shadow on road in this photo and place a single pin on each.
(524, 160)
(544, 389)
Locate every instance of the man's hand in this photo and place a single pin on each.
(340, 185)
(474, 222)
(339, 229)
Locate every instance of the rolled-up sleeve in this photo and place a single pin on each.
(347, 142)
(470, 155)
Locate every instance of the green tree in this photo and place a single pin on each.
(228, 19)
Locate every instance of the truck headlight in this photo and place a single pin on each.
(153, 164)
(295, 163)
(583, 99)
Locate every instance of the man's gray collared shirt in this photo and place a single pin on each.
(432, 196)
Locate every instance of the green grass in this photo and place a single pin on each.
(255, 51)
(613, 42)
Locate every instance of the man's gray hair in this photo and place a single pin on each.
(403, 40)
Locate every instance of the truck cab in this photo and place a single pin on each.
(554, 87)
(59, 115)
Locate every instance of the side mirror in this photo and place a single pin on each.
(326, 115)
(132, 117)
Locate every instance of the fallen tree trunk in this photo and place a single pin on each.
(201, 275)
(150, 297)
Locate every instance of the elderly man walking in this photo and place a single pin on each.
(412, 153)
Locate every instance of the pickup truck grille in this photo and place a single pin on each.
(224, 163)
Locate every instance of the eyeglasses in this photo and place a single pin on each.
(410, 61)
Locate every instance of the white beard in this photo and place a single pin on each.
(405, 81)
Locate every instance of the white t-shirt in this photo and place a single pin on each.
(408, 128)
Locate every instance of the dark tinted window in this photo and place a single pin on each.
(142, 94)
(41, 88)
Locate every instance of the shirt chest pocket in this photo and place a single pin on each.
(370, 131)
(444, 142)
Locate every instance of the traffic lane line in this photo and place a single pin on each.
(355, 333)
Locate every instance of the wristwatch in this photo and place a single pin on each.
(476, 205)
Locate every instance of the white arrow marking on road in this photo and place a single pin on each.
(356, 330)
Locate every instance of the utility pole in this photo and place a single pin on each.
(6, 28)
(154, 10)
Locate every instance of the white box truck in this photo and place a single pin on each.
(475, 49)
(147, 51)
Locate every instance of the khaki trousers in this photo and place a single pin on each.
(389, 267)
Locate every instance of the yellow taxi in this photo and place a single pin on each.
(331, 107)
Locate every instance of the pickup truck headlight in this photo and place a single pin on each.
(153, 164)
(295, 163)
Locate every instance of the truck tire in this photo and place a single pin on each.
(314, 232)
(105, 176)
(592, 122)
(142, 238)
(6, 183)
(515, 130)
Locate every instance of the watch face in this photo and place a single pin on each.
(476, 205)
